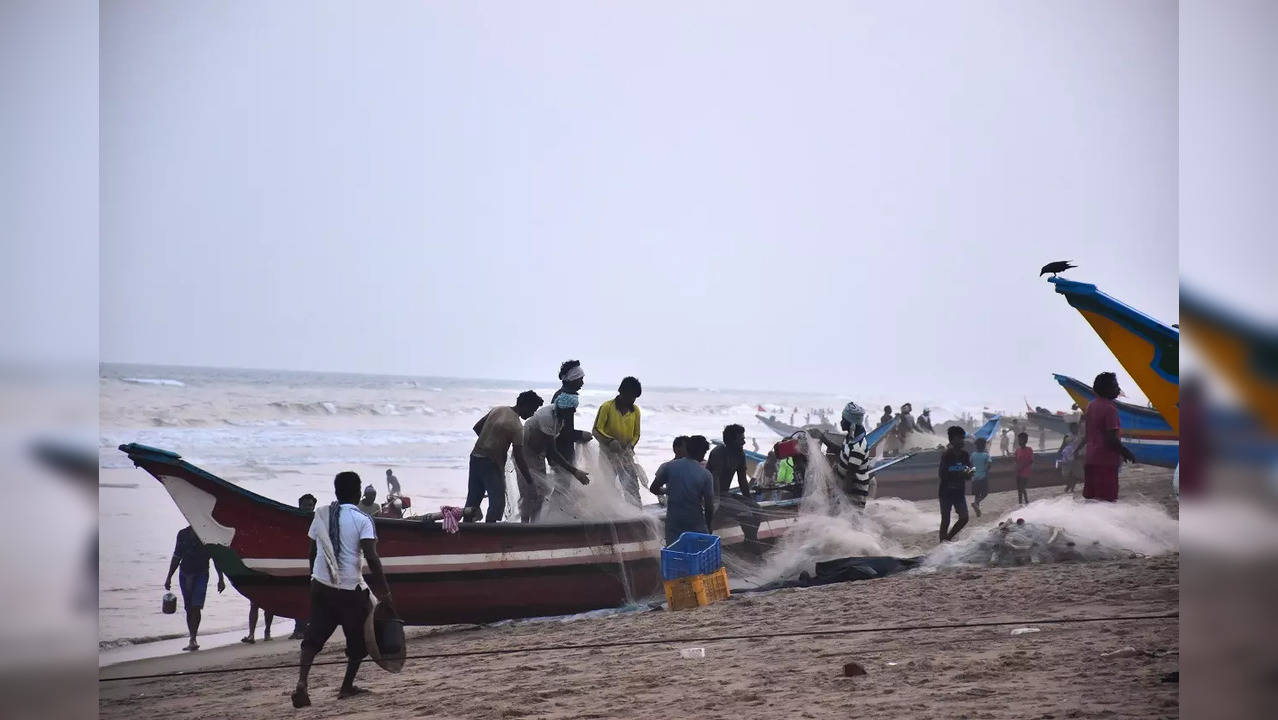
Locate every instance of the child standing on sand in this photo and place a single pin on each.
(1024, 461)
(954, 470)
(980, 476)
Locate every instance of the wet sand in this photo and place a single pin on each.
(753, 670)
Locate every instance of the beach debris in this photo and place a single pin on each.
(1024, 631)
(1128, 651)
(853, 669)
(692, 653)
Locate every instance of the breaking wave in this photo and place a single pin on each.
(328, 407)
(153, 381)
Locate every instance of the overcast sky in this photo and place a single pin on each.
(844, 197)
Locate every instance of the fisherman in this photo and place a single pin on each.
(1105, 449)
(572, 379)
(306, 504)
(851, 465)
(541, 431)
(497, 431)
(725, 462)
(897, 437)
(954, 470)
(617, 430)
(1004, 442)
(266, 625)
(680, 449)
(689, 489)
(925, 421)
(785, 472)
(339, 533)
(369, 505)
(768, 475)
(906, 426)
(193, 558)
(887, 415)
(392, 484)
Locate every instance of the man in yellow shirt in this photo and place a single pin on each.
(617, 430)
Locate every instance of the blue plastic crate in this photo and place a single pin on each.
(692, 554)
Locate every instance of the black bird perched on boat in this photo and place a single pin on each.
(1059, 266)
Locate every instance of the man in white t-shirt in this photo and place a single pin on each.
(338, 533)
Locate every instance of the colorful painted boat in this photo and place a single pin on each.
(986, 431)
(1050, 422)
(1149, 350)
(1144, 431)
(486, 572)
(1244, 352)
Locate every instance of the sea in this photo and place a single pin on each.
(282, 434)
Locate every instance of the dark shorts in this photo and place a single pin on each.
(194, 588)
(1100, 482)
(331, 607)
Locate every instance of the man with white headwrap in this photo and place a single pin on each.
(571, 377)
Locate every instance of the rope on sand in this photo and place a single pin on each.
(673, 641)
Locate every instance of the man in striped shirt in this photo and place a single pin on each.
(852, 465)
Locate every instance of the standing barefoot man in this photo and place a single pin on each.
(189, 554)
(338, 534)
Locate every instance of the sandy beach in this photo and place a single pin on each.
(774, 654)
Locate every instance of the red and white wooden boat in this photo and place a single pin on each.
(486, 572)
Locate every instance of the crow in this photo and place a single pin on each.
(1056, 267)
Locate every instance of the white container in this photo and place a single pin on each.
(692, 653)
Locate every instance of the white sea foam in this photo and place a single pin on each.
(153, 381)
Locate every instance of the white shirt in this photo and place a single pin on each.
(540, 432)
(353, 526)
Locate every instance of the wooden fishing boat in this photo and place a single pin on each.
(486, 572)
(786, 430)
(1147, 349)
(916, 478)
(1144, 431)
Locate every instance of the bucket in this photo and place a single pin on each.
(787, 448)
(168, 605)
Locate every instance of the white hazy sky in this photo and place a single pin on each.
(846, 197)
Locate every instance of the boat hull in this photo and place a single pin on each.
(1149, 350)
(486, 572)
(1145, 432)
